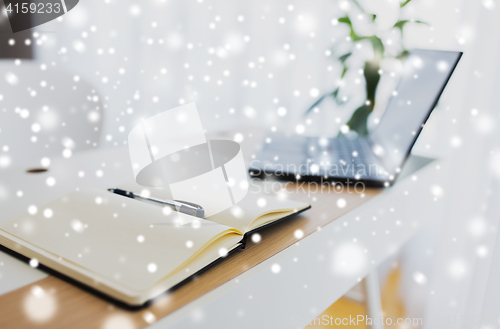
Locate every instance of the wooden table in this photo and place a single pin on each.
(299, 268)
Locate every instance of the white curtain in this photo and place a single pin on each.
(240, 61)
(451, 268)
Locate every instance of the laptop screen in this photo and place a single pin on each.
(425, 75)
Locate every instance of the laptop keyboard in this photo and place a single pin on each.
(338, 156)
(330, 157)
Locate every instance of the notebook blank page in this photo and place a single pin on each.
(121, 239)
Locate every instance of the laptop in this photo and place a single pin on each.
(376, 159)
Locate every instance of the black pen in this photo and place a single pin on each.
(184, 207)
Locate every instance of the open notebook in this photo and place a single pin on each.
(130, 250)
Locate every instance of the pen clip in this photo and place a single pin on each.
(200, 212)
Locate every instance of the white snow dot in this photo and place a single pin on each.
(299, 234)
(4, 161)
(67, 153)
(45, 162)
(457, 268)
(48, 213)
(50, 181)
(249, 111)
(140, 238)
(261, 202)
(275, 268)
(238, 138)
(11, 78)
(420, 278)
(456, 141)
(344, 129)
(149, 317)
(34, 262)
(314, 92)
(349, 259)
(24, 113)
(222, 252)
(189, 244)
(36, 127)
(77, 226)
(477, 227)
(152, 267)
(341, 203)
(145, 193)
(79, 46)
(93, 116)
(299, 129)
(442, 66)
(256, 238)
(135, 10)
(482, 251)
(281, 111)
(32, 209)
(489, 4)
(437, 191)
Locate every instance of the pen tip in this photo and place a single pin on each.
(111, 190)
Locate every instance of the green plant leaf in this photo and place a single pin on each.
(400, 24)
(354, 37)
(344, 57)
(402, 4)
(402, 55)
(378, 46)
(335, 93)
(344, 70)
(357, 122)
(372, 77)
(345, 19)
(359, 6)
(315, 104)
